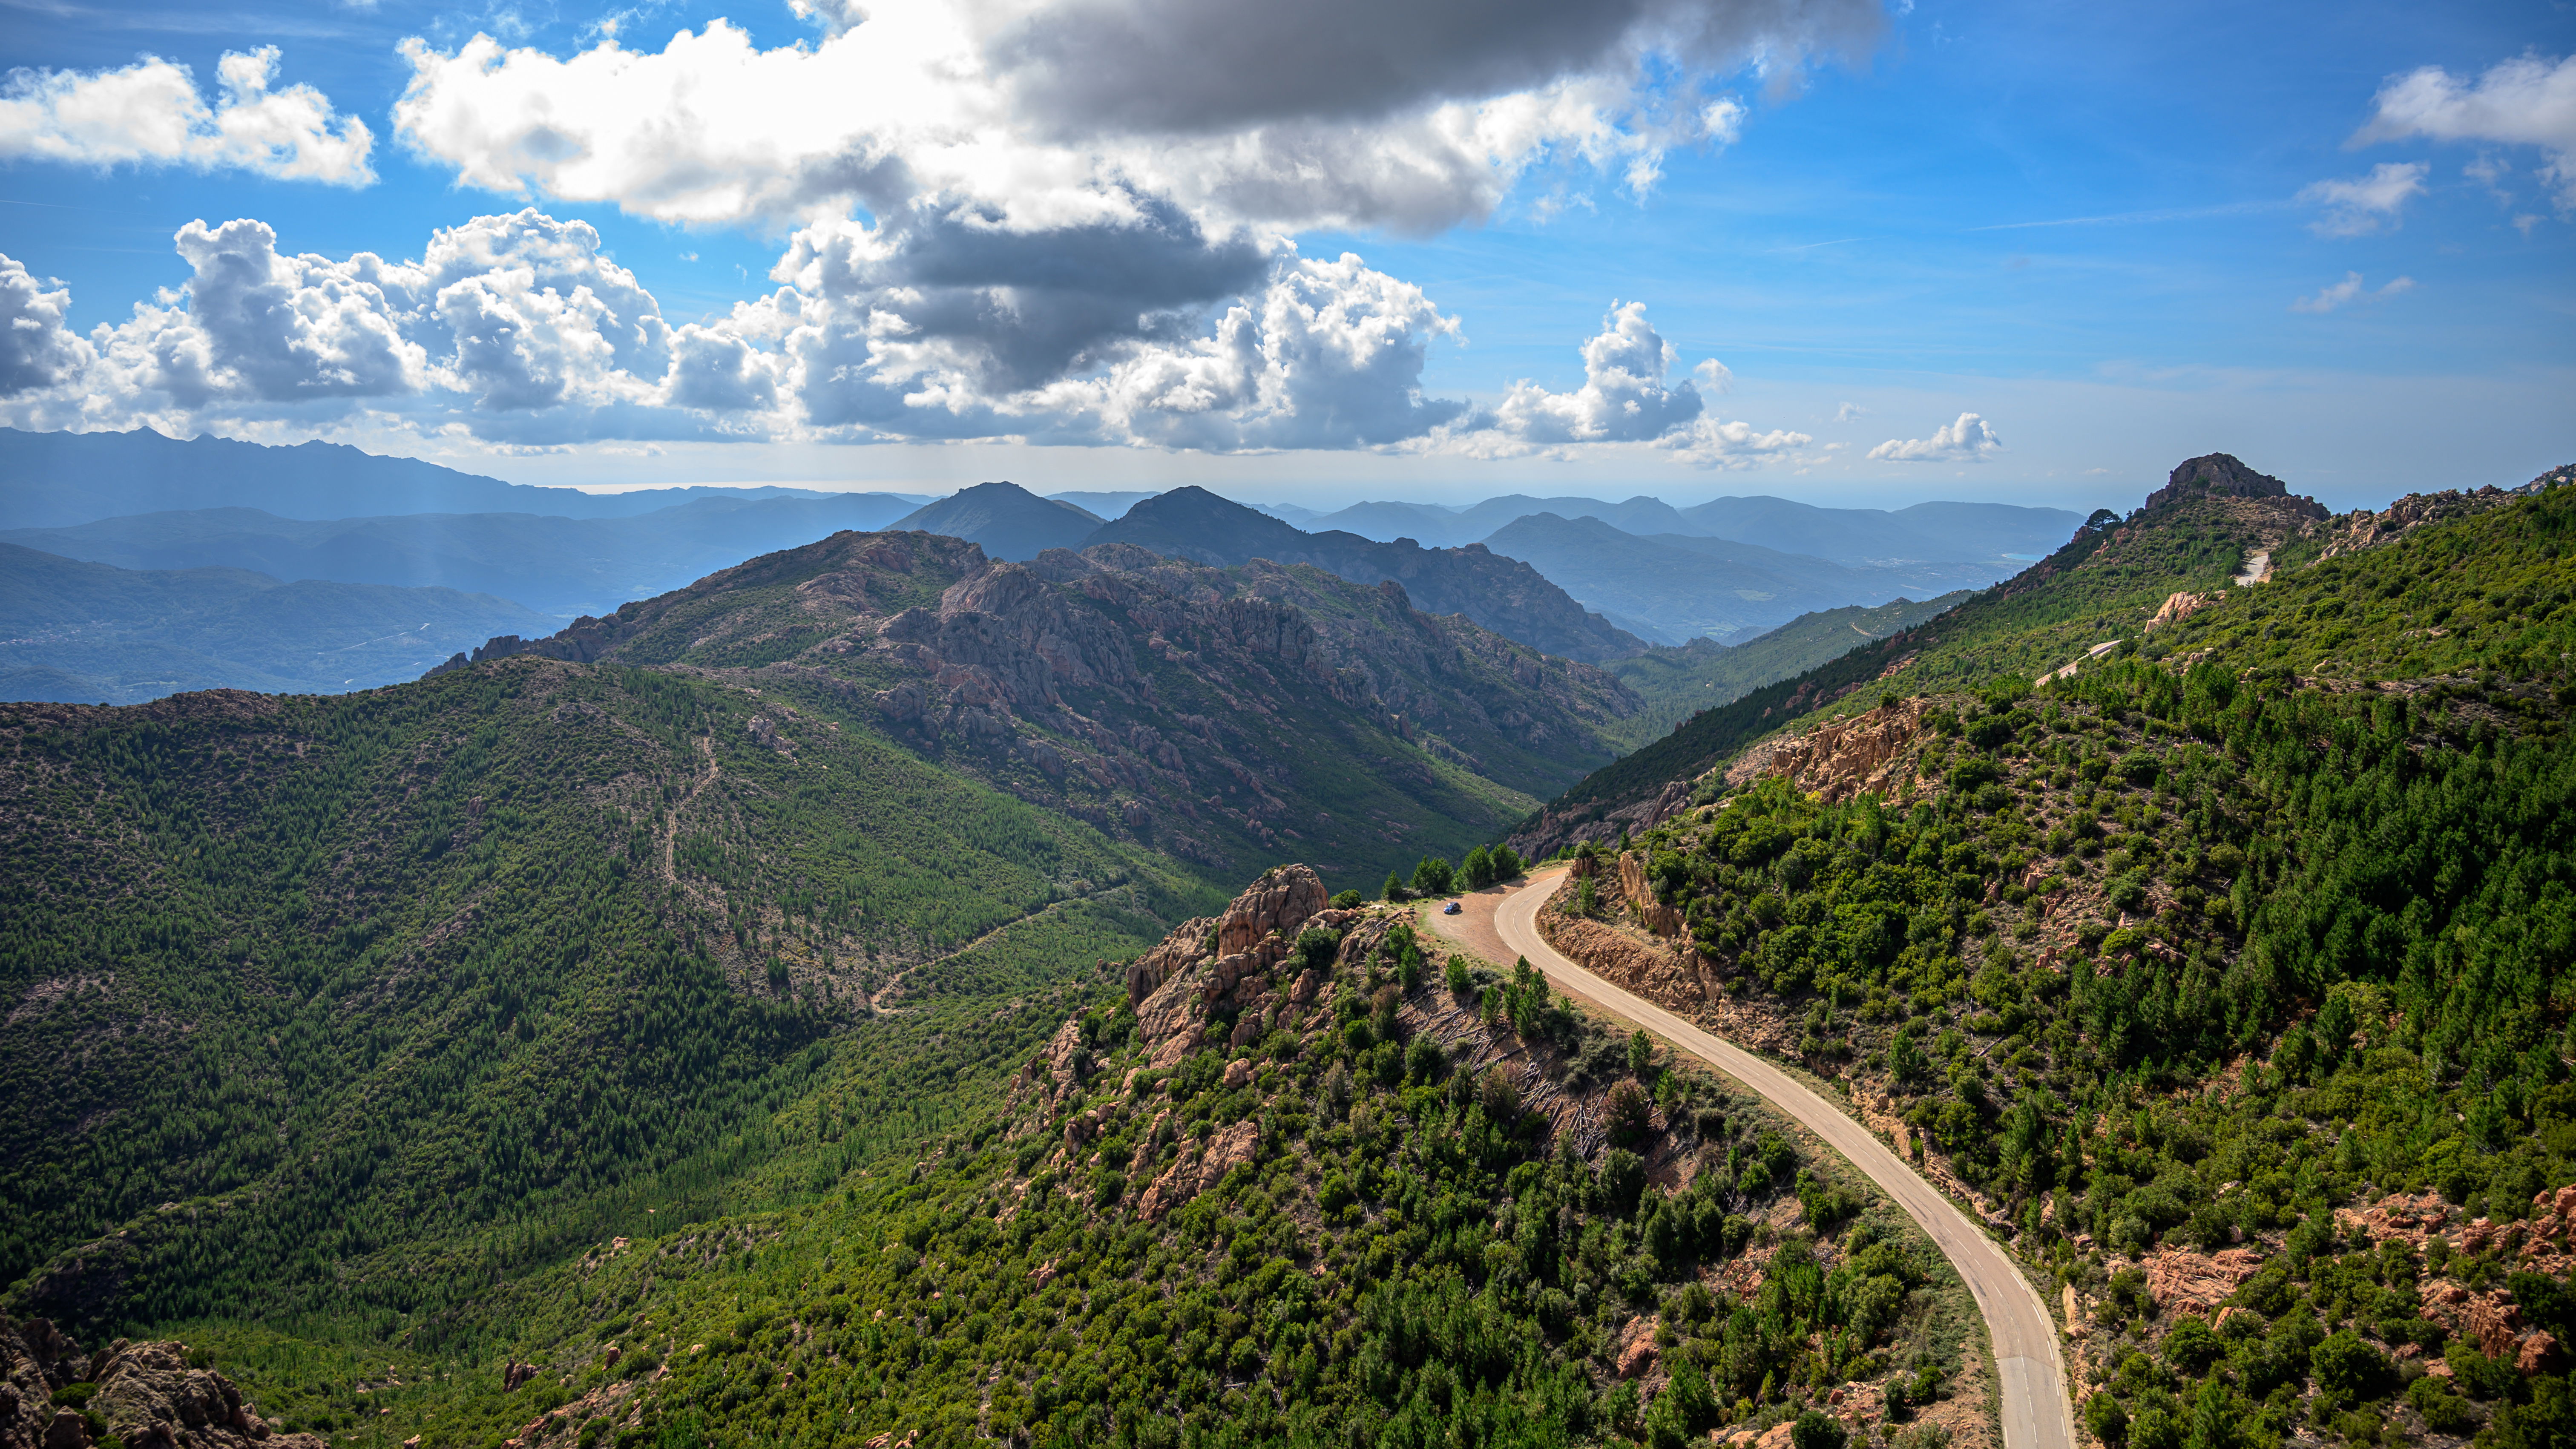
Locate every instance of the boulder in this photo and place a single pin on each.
(149, 1396)
(2177, 1278)
(2538, 1354)
(1637, 1350)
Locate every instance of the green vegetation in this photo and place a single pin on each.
(2266, 914)
(391, 994)
(1404, 1256)
(1677, 683)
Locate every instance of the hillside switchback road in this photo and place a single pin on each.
(1502, 923)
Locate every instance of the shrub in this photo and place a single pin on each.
(1627, 1115)
(1816, 1429)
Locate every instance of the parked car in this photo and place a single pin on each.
(1450, 909)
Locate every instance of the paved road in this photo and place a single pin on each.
(2036, 1414)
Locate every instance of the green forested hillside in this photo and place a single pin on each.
(1680, 682)
(1382, 1240)
(2255, 929)
(399, 990)
(1225, 717)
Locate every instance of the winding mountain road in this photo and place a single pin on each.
(2032, 1376)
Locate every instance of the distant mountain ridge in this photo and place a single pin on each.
(91, 633)
(554, 565)
(1218, 714)
(1677, 587)
(1502, 594)
(1008, 521)
(54, 480)
(1922, 533)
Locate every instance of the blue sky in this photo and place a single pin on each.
(2101, 232)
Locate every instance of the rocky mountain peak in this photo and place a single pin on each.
(2218, 475)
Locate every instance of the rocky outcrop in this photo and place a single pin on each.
(2180, 606)
(145, 1394)
(1231, 960)
(1230, 1148)
(1639, 893)
(2179, 1279)
(1864, 754)
(35, 1359)
(2219, 475)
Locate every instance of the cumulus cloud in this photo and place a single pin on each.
(2526, 101)
(150, 113)
(1711, 443)
(1623, 398)
(36, 351)
(1969, 440)
(1074, 214)
(2362, 204)
(2348, 291)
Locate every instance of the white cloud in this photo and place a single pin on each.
(1623, 398)
(1969, 440)
(2348, 291)
(150, 114)
(1714, 444)
(36, 351)
(2364, 204)
(1849, 411)
(2525, 101)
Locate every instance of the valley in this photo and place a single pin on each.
(857, 997)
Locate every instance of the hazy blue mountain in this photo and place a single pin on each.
(1007, 519)
(1105, 505)
(1677, 683)
(1295, 513)
(1680, 587)
(1437, 526)
(1925, 532)
(92, 633)
(1502, 594)
(562, 566)
(48, 480)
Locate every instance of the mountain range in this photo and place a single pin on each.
(758, 1016)
(54, 480)
(553, 565)
(89, 632)
(1922, 533)
(1672, 588)
(1219, 714)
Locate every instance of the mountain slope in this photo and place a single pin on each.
(1008, 520)
(89, 632)
(1340, 1222)
(1504, 595)
(2225, 970)
(1925, 532)
(1687, 587)
(562, 566)
(53, 480)
(1203, 712)
(1677, 683)
(407, 988)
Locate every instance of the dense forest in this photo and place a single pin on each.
(2254, 929)
(662, 1052)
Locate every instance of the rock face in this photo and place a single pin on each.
(145, 1394)
(1178, 985)
(1860, 755)
(1180, 704)
(1657, 917)
(1227, 1150)
(2199, 1282)
(2216, 474)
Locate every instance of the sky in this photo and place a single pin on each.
(1836, 250)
